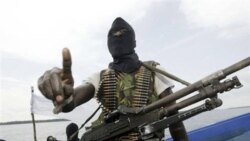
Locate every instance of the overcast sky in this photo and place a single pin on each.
(190, 38)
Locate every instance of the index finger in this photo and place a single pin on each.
(66, 61)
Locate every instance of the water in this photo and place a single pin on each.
(24, 132)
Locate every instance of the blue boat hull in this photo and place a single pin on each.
(234, 129)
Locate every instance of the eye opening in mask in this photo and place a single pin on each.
(119, 32)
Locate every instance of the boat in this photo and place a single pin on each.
(235, 128)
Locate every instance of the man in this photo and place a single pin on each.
(51, 138)
(72, 132)
(125, 82)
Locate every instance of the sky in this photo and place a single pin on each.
(189, 38)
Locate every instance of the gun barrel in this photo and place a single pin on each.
(237, 66)
(221, 74)
(197, 85)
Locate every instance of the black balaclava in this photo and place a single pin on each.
(121, 44)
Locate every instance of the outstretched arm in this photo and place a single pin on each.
(82, 94)
(177, 130)
(57, 85)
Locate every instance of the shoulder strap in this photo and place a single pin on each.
(151, 65)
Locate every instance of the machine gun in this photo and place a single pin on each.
(149, 119)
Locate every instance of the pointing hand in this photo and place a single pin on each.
(57, 84)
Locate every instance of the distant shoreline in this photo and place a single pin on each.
(30, 121)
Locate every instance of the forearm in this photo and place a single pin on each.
(82, 94)
(177, 130)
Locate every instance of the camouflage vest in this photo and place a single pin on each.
(131, 89)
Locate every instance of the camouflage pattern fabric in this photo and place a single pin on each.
(130, 89)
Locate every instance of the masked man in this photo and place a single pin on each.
(125, 82)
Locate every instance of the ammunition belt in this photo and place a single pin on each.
(108, 90)
(108, 98)
(107, 94)
(142, 88)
